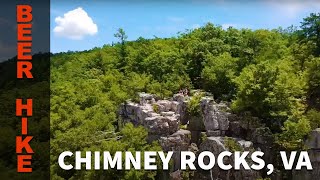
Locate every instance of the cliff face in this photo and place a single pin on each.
(214, 129)
(313, 146)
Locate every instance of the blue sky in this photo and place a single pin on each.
(82, 25)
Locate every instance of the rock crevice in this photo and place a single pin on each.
(169, 122)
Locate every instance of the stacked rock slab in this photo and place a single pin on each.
(215, 117)
(179, 105)
(160, 122)
(162, 119)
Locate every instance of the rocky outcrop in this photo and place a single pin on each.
(177, 142)
(216, 145)
(263, 140)
(163, 117)
(155, 116)
(179, 104)
(146, 98)
(215, 116)
(313, 145)
(206, 131)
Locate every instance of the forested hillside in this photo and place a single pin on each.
(11, 89)
(270, 74)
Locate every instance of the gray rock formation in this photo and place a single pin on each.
(313, 145)
(145, 98)
(263, 140)
(210, 118)
(207, 131)
(216, 145)
(163, 117)
(155, 116)
(163, 105)
(179, 105)
(215, 116)
(177, 142)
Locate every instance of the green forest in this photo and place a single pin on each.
(272, 74)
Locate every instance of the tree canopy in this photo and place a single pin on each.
(273, 74)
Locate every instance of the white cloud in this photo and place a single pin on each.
(291, 9)
(75, 24)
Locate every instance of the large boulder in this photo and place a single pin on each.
(145, 98)
(313, 142)
(215, 116)
(158, 126)
(177, 142)
(216, 145)
(176, 175)
(222, 114)
(179, 105)
(210, 119)
(156, 117)
(142, 112)
(128, 111)
(173, 122)
(178, 97)
(182, 110)
(313, 145)
(175, 106)
(164, 105)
